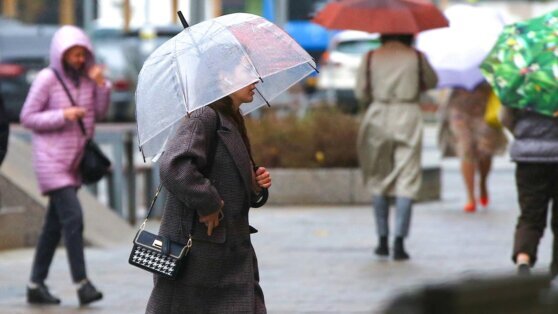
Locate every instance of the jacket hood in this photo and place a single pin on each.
(65, 38)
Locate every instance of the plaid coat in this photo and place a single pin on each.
(221, 271)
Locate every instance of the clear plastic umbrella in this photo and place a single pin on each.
(208, 61)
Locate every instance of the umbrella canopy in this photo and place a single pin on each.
(381, 16)
(457, 51)
(208, 61)
(523, 65)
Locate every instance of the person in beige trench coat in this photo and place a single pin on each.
(389, 141)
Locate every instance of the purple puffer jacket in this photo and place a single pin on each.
(57, 143)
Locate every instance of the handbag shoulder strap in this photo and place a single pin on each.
(368, 82)
(422, 85)
(59, 78)
(206, 171)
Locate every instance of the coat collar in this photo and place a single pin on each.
(230, 135)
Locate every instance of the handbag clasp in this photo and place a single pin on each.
(158, 243)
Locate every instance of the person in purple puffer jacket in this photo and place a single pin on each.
(58, 146)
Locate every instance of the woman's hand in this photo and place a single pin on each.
(74, 113)
(263, 178)
(211, 221)
(96, 73)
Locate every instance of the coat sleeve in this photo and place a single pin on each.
(185, 156)
(102, 100)
(429, 76)
(35, 114)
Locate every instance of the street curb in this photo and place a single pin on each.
(336, 186)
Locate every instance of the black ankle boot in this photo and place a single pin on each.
(41, 295)
(87, 293)
(399, 253)
(382, 249)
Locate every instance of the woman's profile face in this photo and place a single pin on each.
(75, 57)
(244, 95)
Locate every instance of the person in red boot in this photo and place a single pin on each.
(476, 141)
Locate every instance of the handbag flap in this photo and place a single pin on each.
(155, 242)
(91, 147)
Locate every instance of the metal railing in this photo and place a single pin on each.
(119, 189)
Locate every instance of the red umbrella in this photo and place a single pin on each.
(382, 16)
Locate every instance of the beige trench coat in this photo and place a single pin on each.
(389, 141)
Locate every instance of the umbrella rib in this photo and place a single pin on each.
(177, 74)
(243, 50)
(138, 135)
(313, 67)
(281, 38)
(139, 142)
(267, 102)
(170, 125)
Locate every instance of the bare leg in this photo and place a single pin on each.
(468, 172)
(485, 164)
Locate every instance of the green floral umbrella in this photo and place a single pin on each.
(523, 65)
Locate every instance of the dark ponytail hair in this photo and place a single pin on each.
(225, 107)
(406, 39)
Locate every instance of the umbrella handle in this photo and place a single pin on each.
(182, 19)
(262, 198)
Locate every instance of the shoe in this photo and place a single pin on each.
(399, 253)
(470, 208)
(523, 269)
(87, 293)
(484, 201)
(41, 295)
(382, 249)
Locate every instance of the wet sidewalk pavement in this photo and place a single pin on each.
(317, 259)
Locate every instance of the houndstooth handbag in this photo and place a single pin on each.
(158, 254)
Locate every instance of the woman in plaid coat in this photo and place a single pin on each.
(207, 167)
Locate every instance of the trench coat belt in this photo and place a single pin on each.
(396, 101)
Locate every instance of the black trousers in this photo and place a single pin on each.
(537, 187)
(63, 216)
